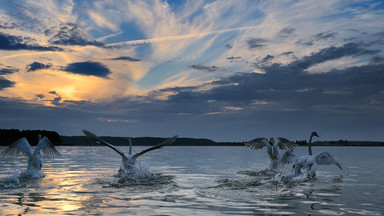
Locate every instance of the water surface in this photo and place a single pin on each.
(191, 180)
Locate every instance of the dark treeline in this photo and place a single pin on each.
(8, 136)
(341, 143)
(144, 141)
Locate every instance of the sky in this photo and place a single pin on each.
(226, 70)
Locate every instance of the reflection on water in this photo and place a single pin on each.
(224, 180)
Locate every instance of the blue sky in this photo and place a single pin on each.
(224, 70)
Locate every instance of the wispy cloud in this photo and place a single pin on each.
(177, 37)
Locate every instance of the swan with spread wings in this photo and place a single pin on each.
(35, 159)
(305, 163)
(272, 148)
(128, 160)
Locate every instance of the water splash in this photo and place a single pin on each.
(139, 174)
(19, 179)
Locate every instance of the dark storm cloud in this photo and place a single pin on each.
(331, 53)
(72, 34)
(289, 87)
(204, 68)
(88, 68)
(10, 42)
(5, 83)
(37, 66)
(4, 71)
(255, 43)
(126, 58)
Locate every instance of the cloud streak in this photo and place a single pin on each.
(177, 37)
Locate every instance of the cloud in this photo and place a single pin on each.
(88, 68)
(56, 100)
(287, 31)
(325, 35)
(267, 58)
(40, 96)
(10, 42)
(126, 58)
(204, 68)
(178, 37)
(5, 83)
(256, 43)
(72, 34)
(331, 53)
(4, 71)
(37, 66)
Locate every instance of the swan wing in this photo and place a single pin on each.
(164, 143)
(324, 158)
(257, 143)
(46, 146)
(285, 144)
(95, 138)
(289, 157)
(20, 146)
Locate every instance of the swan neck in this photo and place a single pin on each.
(310, 146)
(130, 145)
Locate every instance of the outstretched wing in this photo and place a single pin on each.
(324, 158)
(257, 143)
(164, 143)
(46, 146)
(285, 144)
(289, 157)
(20, 146)
(98, 140)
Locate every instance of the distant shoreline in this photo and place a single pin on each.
(149, 141)
(8, 136)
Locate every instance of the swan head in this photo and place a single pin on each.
(271, 141)
(314, 134)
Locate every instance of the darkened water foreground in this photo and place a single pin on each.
(193, 181)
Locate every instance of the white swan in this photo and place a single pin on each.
(129, 160)
(306, 162)
(35, 159)
(271, 146)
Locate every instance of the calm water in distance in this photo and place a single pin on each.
(193, 180)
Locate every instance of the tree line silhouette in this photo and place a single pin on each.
(9, 136)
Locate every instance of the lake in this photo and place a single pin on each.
(191, 180)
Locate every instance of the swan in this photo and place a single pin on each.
(35, 159)
(128, 160)
(271, 146)
(306, 162)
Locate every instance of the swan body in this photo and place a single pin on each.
(128, 160)
(35, 159)
(305, 163)
(272, 148)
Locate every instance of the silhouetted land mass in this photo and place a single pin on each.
(8, 136)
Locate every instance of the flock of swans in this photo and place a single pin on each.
(301, 164)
